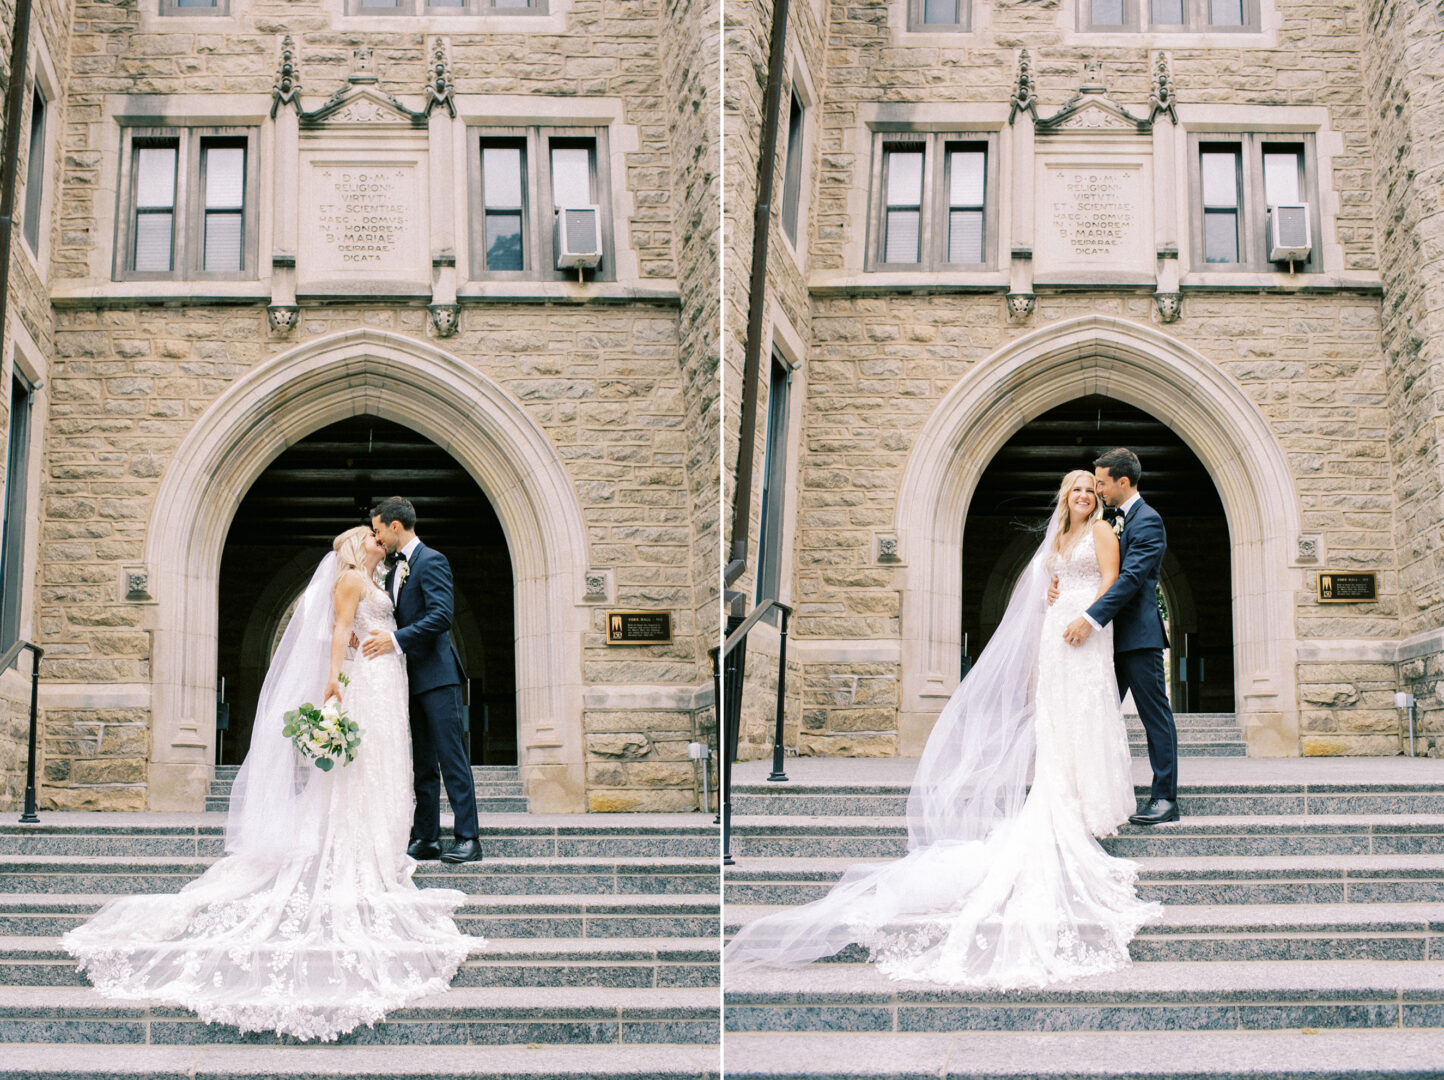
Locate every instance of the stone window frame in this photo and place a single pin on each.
(173, 9)
(27, 366)
(538, 228)
(934, 205)
(467, 9)
(915, 23)
(1253, 210)
(1137, 18)
(45, 83)
(189, 211)
(772, 512)
(793, 165)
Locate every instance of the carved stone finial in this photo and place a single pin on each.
(1020, 306)
(1162, 99)
(283, 317)
(440, 90)
(363, 65)
(1025, 96)
(445, 319)
(288, 79)
(1169, 304)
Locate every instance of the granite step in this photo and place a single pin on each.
(656, 1061)
(468, 1015)
(1332, 879)
(859, 837)
(644, 963)
(1206, 800)
(503, 804)
(224, 788)
(1165, 996)
(553, 916)
(482, 773)
(137, 874)
(502, 836)
(1196, 748)
(1412, 932)
(1310, 1054)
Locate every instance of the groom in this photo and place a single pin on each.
(1138, 635)
(419, 582)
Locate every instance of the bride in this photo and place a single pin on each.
(1004, 885)
(311, 924)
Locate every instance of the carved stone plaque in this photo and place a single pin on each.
(1094, 216)
(363, 219)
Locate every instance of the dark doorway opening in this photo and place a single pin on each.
(322, 486)
(1019, 489)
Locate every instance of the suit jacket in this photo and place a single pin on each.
(1131, 603)
(423, 621)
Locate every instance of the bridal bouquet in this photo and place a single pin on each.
(326, 735)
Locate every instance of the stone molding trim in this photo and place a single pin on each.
(1143, 366)
(474, 419)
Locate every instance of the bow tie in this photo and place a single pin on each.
(1111, 513)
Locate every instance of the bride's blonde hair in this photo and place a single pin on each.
(1064, 517)
(350, 549)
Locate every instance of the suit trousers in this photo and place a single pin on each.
(438, 754)
(1141, 670)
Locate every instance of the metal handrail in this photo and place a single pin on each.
(27, 816)
(732, 710)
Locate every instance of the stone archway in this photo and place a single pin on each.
(1137, 364)
(462, 411)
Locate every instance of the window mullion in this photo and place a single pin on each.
(1255, 209)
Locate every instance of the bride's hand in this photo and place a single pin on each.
(333, 690)
(1052, 591)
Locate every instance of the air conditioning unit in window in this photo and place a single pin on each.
(1289, 239)
(578, 235)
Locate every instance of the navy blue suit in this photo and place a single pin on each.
(1139, 639)
(433, 668)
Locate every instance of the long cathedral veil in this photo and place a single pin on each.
(971, 780)
(274, 789)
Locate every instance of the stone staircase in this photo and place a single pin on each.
(602, 959)
(498, 790)
(1303, 936)
(1199, 735)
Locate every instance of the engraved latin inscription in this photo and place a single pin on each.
(367, 215)
(1095, 212)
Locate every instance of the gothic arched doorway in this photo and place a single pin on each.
(1018, 489)
(326, 483)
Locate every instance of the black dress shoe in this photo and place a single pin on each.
(1159, 811)
(463, 851)
(422, 850)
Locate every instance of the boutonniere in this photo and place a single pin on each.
(1118, 525)
(402, 573)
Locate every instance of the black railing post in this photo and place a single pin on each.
(28, 817)
(716, 655)
(729, 751)
(778, 735)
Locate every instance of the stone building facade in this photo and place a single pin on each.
(1030, 230)
(361, 230)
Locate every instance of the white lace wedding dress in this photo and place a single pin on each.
(1031, 898)
(319, 937)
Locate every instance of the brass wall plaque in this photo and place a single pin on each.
(639, 627)
(1354, 588)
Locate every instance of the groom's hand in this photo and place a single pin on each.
(1078, 631)
(378, 644)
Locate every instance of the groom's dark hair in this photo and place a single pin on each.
(396, 509)
(1120, 463)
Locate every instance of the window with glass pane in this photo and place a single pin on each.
(12, 533)
(941, 12)
(503, 184)
(774, 484)
(1220, 177)
(902, 210)
(1167, 12)
(1106, 12)
(35, 171)
(512, 4)
(966, 183)
(195, 3)
(1283, 175)
(1225, 12)
(223, 165)
(155, 184)
(571, 173)
(792, 173)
